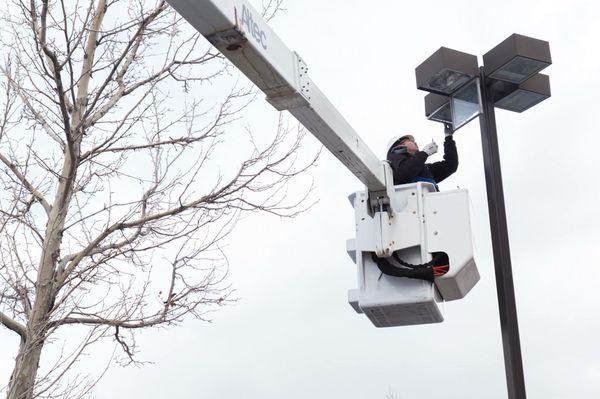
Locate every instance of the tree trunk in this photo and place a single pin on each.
(26, 365)
(28, 359)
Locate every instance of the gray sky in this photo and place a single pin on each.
(292, 333)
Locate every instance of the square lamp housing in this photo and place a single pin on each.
(458, 109)
(445, 71)
(518, 98)
(517, 59)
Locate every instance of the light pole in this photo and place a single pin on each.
(510, 80)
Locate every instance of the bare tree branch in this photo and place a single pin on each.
(13, 325)
(27, 184)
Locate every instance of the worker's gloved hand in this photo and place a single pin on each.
(430, 148)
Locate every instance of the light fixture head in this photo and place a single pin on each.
(457, 109)
(445, 71)
(516, 59)
(518, 98)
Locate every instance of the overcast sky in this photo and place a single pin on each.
(292, 333)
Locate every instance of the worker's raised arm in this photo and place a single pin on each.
(443, 169)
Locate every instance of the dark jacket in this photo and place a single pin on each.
(410, 168)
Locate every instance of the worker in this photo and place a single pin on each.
(408, 166)
(408, 163)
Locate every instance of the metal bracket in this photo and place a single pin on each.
(383, 206)
(300, 97)
(231, 39)
(383, 247)
(302, 79)
(377, 198)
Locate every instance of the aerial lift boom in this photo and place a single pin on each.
(389, 219)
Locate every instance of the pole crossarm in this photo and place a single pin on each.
(243, 36)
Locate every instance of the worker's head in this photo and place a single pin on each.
(407, 141)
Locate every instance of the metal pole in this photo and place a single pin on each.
(504, 281)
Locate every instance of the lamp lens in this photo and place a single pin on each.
(518, 69)
(519, 100)
(442, 114)
(447, 80)
(466, 104)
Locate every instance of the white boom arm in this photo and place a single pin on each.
(242, 35)
(387, 222)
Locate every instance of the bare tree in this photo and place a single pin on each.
(114, 192)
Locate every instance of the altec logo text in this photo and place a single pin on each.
(252, 27)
